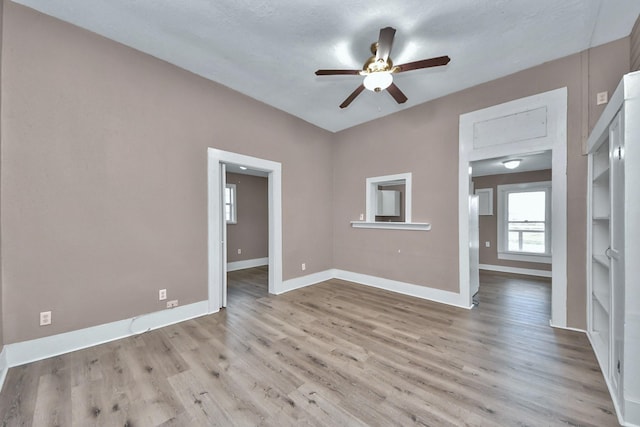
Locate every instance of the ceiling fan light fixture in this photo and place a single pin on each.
(511, 164)
(378, 81)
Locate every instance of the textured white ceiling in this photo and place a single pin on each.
(269, 50)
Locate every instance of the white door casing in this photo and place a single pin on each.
(223, 236)
(474, 245)
(216, 268)
(518, 127)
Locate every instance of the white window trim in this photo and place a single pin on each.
(372, 194)
(503, 190)
(234, 205)
(372, 203)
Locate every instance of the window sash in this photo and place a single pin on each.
(524, 237)
(230, 206)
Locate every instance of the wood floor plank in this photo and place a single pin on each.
(335, 353)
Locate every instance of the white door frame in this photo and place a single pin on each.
(223, 235)
(218, 271)
(526, 125)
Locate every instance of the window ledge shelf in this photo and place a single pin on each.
(420, 226)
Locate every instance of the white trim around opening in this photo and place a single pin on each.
(529, 130)
(216, 269)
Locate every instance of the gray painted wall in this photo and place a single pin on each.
(251, 232)
(1, 261)
(635, 47)
(104, 176)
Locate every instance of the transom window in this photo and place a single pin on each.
(524, 222)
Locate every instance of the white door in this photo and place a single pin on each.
(474, 245)
(223, 233)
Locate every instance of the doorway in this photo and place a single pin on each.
(514, 221)
(247, 217)
(527, 125)
(218, 160)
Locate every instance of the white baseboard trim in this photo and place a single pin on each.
(247, 263)
(609, 385)
(4, 367)
(567, 328)
(515, 270)
(431, 294)
(424, 292)
(303, 281)
(54, 345)
(632, 412)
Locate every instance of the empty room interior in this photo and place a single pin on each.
(319, 213)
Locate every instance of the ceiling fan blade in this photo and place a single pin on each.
(385, 42)
(337, 72)
(351, 97)
(397, 94)
(425, 63)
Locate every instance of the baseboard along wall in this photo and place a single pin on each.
(42, 348)
(515, 270)
(247, 263)
(30, 351)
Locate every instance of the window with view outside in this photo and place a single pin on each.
(230, 203)
(526, 222)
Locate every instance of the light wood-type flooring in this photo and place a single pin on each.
(333, 354)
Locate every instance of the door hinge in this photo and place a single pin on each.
(618, 365)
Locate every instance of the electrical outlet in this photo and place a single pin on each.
(162, 294)
(45, 318)
(487, 244)
(304, 266)
(173, 303)
(361, 217)
(239, 251)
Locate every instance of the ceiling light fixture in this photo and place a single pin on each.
(244, 168)
(511, 164)
(378, 81)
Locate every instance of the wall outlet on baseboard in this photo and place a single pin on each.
(162, 294)
(45, 318)
(173, 303)
(303, 266)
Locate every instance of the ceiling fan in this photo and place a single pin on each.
(379, 69)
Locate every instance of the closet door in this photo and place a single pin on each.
(616, 250)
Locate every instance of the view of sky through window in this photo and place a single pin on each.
(526, 217)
